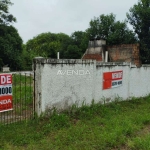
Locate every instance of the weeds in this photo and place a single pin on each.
(117, 125)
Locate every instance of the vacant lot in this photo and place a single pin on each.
(119, 125)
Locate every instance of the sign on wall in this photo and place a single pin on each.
(112, 79)
(5, 92)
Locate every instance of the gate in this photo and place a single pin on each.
(22, 99)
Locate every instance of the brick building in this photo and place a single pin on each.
(98, 50)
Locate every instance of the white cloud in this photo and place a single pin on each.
(38, 16)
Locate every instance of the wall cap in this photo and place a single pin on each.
(62, 61)
(113, 64)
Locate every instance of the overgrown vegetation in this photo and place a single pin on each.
(118, 125)
(138, 17)
(10, 40)
(23, 89)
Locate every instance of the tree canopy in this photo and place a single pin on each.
(47, 44)
(115, 32)
(80, 39)
(139, 18)
(10, 47)
(10, 41)
(5, 17)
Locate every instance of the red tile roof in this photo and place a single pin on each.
(96, 57)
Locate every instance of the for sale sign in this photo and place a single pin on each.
(5, 92)
(112, 79)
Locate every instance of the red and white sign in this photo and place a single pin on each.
(5, 92)
(112, 79)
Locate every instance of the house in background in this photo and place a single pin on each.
(95, 50)
(99, 51)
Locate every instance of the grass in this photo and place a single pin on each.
(118, 125)
(22, 86)
(22, 89)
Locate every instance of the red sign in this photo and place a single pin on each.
(5, 79)
(5, 92)
(112, 79)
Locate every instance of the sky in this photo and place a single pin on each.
(66, 16)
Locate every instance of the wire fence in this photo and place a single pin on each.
(22, 99)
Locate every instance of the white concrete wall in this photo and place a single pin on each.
(111, 94)
(56, 85)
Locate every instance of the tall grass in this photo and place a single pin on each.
(22, 89)
(118, 125)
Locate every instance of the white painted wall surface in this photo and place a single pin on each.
(53, 89)
(63, 90)
(139, 82)
(111, 94)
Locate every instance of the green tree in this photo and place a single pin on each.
(139, 18)
(10, 41)
(115, 32)
(10, 47)
(73, 52)
(26, 59)
(41, 45)
(48, 44)
(80, 39)
(5, 17)
(65, 40)
(77, 37)
(1, 63)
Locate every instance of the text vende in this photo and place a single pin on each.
(5, 79)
